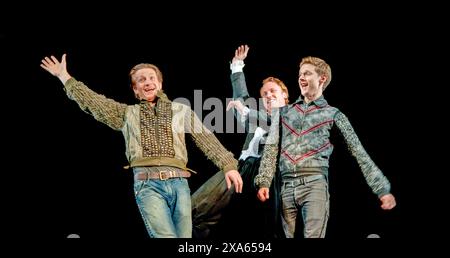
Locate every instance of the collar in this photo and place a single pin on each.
(320, 102)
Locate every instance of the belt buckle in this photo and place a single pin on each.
(302, 180)
(163, 178)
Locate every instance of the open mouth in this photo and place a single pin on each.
(147, 90)
(271, 102)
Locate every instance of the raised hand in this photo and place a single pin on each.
(56, 68)
(241, 53)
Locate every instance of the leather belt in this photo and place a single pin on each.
(162, 175)
(302, 180)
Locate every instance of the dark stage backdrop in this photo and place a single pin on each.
(76, 183)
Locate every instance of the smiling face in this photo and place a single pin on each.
(146, 82)
(311, 84)
(274, 93)
(313, 77)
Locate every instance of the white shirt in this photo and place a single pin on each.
(253, 146)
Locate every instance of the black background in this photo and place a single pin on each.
(67, 174)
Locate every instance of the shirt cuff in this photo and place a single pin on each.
(236, 66)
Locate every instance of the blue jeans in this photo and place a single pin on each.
(311, 198)
(165, 206)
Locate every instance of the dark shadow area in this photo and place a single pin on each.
(75, 180)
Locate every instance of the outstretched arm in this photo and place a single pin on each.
(101, 108)
(56, 68)
(245, 115)
(214, 150)
(374, 177)
(237, 76)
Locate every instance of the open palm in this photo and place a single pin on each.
(53, 66)
(241, 53)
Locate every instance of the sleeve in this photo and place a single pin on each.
(237, 66)
(269, 158)
(101, 108)
(209, 144)
(251, 116)
(239, 86)
(374, 177)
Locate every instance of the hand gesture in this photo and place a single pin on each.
(56, 68)
(237, 105)
(241, 53)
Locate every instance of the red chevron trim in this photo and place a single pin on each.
(305, 131)
(299, 108)
(315, 127)
(288, 127)
(308, 154)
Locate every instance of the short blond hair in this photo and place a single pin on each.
(142, 66)
(322, 68)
